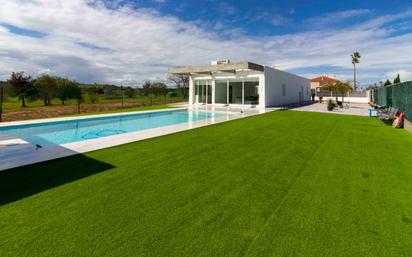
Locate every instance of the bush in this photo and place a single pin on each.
(331, 105)
(172, 94)
(92, 98)
(340, 104)
(320, 99)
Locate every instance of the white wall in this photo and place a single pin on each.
(347, 99)
(274, 79)
(351, 99)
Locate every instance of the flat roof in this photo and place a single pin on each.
(230, 67)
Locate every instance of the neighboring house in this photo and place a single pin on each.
(318, 82)
(243, 84)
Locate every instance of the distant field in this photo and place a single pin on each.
(132, 109)
(36, 109)
(13, 103)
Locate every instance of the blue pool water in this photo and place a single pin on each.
(62, 132)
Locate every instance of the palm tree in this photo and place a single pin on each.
(343, 88)
(355, 59)
(337, 87)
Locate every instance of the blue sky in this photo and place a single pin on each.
(130, 41)
(263, 18)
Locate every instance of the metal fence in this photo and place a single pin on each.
(398, 96)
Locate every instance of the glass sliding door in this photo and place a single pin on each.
(203, 91)
(221, 92)
(208, 92)
(235, 91)
(251, 91)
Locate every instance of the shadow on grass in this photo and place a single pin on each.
(18, 183)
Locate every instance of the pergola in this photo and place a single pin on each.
(209, 69)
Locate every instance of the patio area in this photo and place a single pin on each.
(358, 109)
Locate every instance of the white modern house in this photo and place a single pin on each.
(243, 84)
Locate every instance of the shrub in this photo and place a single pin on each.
(331, 105)
(92, 98)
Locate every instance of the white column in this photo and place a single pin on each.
(227, 91)
(191, 91)
(262, 93)
(207, 91)
(243, 92)
(213, 90)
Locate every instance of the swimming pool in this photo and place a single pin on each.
(63, 132)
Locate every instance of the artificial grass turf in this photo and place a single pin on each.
(279, 184)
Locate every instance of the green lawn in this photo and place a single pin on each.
(279, 184)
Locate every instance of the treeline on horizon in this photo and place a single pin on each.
(47, 87)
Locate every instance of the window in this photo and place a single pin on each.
(283, 90)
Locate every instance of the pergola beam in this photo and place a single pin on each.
(230, 68)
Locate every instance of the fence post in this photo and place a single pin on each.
(150, 94)
(122, 96)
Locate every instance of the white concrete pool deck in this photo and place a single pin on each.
(15, 152)
(357, 109)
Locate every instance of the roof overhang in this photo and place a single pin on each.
(209, 69)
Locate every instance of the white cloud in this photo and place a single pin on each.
(279, 20)
(336, 17)
(404, 75)
(91, 43)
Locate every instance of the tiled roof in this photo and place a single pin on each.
(323, 79)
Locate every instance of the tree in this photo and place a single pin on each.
(46, 87)
(338, 87)
(355, 59)
(182, 83)
(343, 88)
(67, 89)
(77, 94)
(159, 88)
(129, 92)
(147, 85)
(387, 83)
(22, 86)
(397, 80)
(147, 88)
(1, 100)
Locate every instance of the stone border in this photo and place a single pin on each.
(407, 125)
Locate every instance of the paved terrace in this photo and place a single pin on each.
(358, 109)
